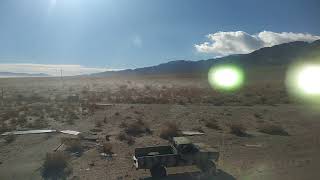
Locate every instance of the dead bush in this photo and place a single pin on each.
(181, 102)
(70, 121)
(107, 148)
(72, 115)
(137, 128)
(123, 125)
(169, 130)
(98, 124)
(199, 129)
(73, 145)
(22, 121)
(258, 115)
(9, 114)
(147, 87)
(55, 166)
(273, 130)
(123, 87)
(238, 130)
(39, 124)
(10, 138)
(213, 125)
(4, 128)
(96, 130)
(124, 137)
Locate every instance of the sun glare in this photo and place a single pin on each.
(53, 2)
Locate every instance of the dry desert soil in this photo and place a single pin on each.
(290, 152)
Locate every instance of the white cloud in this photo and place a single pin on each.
(51, 69)
(239, 42)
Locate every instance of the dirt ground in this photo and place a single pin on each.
(257, 155)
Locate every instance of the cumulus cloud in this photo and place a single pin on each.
(239, 42)
(51, 69)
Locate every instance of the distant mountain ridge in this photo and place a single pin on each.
(12, 74)
(279, 55)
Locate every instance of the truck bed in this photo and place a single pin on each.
(154, 151)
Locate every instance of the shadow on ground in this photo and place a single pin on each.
(194, 176)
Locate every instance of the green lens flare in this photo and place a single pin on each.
(303, 82)
(225, 77)
(308, 80)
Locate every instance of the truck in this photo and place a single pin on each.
(181, 152)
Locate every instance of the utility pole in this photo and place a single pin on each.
(61, 78)
(222, 150)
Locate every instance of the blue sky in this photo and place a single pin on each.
(119, 34)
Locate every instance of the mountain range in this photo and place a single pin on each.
(275, 56)
(12, 74)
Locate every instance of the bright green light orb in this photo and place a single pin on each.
(225, 77)
(303, 82)
(308, 79)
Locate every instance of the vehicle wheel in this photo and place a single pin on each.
(210, 169)
(158, 171)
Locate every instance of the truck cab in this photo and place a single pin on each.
(184, 145)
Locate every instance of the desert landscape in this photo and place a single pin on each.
(159, 90)
(260, 132)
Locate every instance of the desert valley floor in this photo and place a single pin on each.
(95, 108)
